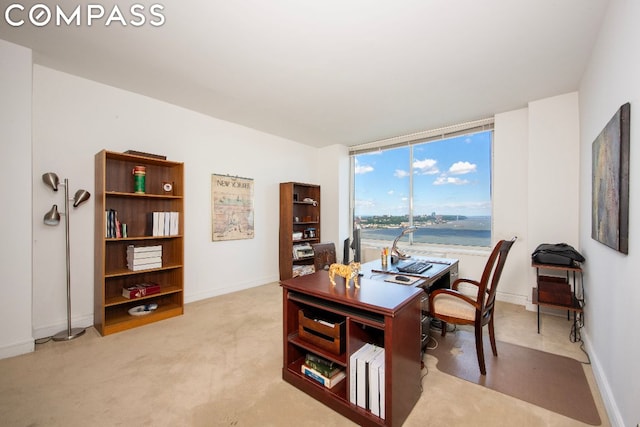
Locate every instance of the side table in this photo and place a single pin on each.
(560, 292)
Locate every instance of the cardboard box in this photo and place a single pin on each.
(139, 291)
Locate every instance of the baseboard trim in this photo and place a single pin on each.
(188, 298)
(17, 349)
(615, 418)
(50, 330)
(511, 298)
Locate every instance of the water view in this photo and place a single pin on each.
(452, 230)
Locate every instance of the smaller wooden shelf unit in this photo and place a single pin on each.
(297, 216)
(379, 313)
(558, 292)
(114, 189)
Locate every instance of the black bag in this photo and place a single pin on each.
(556, 254)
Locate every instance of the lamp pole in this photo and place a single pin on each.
(70, 333)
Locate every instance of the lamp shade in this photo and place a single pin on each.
(51, 179)
(409, 230)
(52, 217)
(395, 251)
(80, 197)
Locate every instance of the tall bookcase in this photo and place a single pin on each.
(299, 223)
(114, 190)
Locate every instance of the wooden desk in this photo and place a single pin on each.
(381, 313)
(443, 273)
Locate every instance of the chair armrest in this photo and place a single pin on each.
(455, 284)
(452, 293)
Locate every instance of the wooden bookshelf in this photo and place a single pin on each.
(114, 189)
(297, 216)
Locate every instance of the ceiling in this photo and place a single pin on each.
(326, 72)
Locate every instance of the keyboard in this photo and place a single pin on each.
(415, 267)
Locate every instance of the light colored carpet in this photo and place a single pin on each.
(220, 365)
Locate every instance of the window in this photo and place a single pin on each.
(440, 184)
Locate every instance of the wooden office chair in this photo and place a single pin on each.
(451, 306)
(324, 254)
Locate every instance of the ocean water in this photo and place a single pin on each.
(470, 232)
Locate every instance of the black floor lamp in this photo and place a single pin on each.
(53, 218)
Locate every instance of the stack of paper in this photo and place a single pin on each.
(144, 257)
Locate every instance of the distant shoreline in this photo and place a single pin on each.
(468, 232)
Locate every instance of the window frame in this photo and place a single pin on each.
(467, 128)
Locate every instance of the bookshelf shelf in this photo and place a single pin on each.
(141, 196)
(114, 190)
(378, 313)
(127, 272)
(166, 290)
(130, 238)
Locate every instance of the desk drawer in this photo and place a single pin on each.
(325, 333)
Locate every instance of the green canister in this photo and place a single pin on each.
(139, 176)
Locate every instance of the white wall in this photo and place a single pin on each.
(553, 173)
(553, 170)
(510, 204)
(611, 278)
(333, 177)
(74, 118)
(15, 215)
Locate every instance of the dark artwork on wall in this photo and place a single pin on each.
(610, 183)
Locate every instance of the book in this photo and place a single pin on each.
(166, 227)
(375, 384)
(145, 266)
(118, 227)
(328, 382)
(141, 290)
(142, 255)
(139, 249)
(381, 389)
(143, 261)
(353, 371)
(156, 224)
(362, 376)
(173, 228)
(111, 224)
(324, 366)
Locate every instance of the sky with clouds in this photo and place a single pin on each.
(450, 177)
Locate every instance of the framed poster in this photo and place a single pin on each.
(231, 208)
(610, 183)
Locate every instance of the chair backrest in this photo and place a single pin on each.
(491, 276)
(324, 254)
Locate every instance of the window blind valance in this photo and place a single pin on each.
(424, 136)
